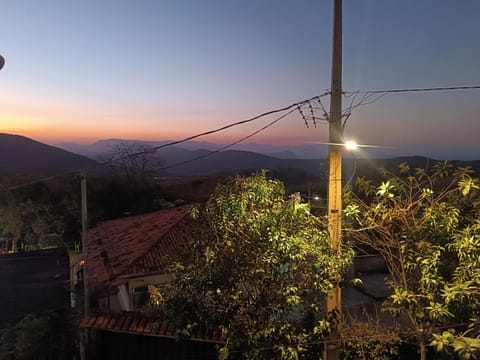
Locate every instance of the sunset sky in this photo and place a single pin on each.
(165, 69)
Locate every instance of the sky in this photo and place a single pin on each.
(80, 71)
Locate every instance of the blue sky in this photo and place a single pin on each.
(165, 69)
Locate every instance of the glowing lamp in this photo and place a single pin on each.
(351, 145)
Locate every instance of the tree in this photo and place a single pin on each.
(42, 214)
(34, 224)
(114, 197)
(429, 237)
(46, 335)
(258, 271)
(367, 338)
(48, 214)
(134, 161)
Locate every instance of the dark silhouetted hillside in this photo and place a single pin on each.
(191, 159)
(22, 155)
(308, 151)
(232, 161)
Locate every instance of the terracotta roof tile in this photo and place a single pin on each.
(134, 324)
(136, 245)
(138, 323)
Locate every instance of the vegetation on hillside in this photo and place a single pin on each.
(261, 262)
(48, 214)
(47, 335)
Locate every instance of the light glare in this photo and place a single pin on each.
(351, 145)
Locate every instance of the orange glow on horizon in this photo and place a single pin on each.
(53, 122)
(87, 135)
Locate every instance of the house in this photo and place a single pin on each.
(128, 254)
(125, 256)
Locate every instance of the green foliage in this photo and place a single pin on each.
(48, 214)
(368, 339)
(41, 215)
(258, 272)
(35, 224)
(466, 347)
(7, 344)
(37, 336)
(429, 237)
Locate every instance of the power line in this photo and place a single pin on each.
(232, 144)
(45, 179)
(293, 106)
(366, 99)
(370, 96)
(441, 88)
(210, 132)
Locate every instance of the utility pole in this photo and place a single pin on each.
(86, 302)
(86, 294)
(334, 299)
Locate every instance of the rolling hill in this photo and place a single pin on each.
(307, 151)
(22, 155)
(204, 162)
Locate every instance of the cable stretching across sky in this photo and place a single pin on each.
(242, 122)
(427, 89)
(289, 109)
(367, 97)
(370, 96)
(231, 144)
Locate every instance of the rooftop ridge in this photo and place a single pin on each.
(173, 227)
(117, 246)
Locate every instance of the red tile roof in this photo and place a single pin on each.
(136, 245)
(139, 324)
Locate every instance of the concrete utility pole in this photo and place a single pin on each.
(86, 302)
(86, 294)
(334, 300)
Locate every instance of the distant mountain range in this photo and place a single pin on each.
(24, 155)
(203, 158)
(308, 151)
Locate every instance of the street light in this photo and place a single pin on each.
(351, 145)
(2, 62)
